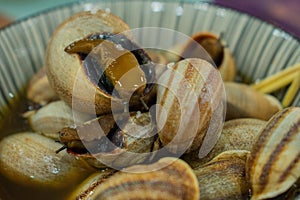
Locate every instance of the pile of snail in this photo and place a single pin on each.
(256, 154)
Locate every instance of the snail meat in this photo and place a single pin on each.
(115, 56)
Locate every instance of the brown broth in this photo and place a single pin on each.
(10, 190)
(13, 122)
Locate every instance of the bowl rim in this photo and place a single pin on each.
(210, 2)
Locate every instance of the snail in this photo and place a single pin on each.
(103, 142)
(93, 66)
(190, 99)
(273, 166)
(52, 117)
(237, 134)
(168, 178)
(29, 158)
(244, 102)
(210, 47)
(224, 177)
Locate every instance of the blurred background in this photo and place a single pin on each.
(11, 10)
(282, 13)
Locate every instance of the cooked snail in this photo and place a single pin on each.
(189, 95)
(273, 166)
(169, 178)
(30, 159)
(215, 52)
(85, 64)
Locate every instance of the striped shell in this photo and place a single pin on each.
(274, 164)
(237, 134)
(169, 178)
(189, 94)
(224, 177)
(85, 189)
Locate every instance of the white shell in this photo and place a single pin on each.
(54, 116)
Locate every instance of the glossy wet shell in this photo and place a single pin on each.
(30, 159)
(64, 70)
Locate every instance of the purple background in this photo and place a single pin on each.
(282, 13)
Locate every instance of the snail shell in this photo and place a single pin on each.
(245, 102)
(65, 72)
(188, 94)
(274, 163)
(51, 118)
(30, 159)
(224, 177)
(217, 50)
(169, 178)
(237, 134)
(86, 189)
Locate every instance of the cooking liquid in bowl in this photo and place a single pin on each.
(10, 190)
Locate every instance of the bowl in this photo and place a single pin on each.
(259, 48)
